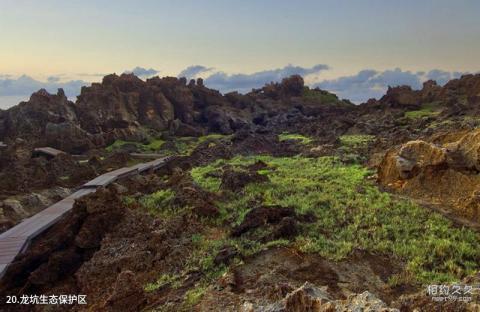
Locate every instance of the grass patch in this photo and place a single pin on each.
(296, 137)
(182, 145)
(153, 145)
(352, 214)
(356, 140)
(352, 149)
(159, 203)
(186, 145)
(164, 280)
(427, 110)
(320, 96)
(193, 296)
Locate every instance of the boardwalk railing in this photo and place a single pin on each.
(17, 239)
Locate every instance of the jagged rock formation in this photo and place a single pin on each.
(311, 298)
(445, 173)
(126, 107)
(111, 249)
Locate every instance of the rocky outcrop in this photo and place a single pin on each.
(445, 174)
(402, 96)
(410, 159)
(311, 298)
(19, 172)
(128, 108)
(46, 119)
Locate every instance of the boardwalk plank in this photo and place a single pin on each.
(48, 151)
(102, 180)
(143, 167)
(16, 240)
(82, 192)
(123, 172)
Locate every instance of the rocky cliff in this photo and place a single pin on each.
(126, 107)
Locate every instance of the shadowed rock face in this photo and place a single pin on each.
(47, 119)
(126, 107)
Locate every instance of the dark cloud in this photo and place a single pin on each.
(368, 84)
(245, 82)
(143, 72)
(26, 85)
(194, 71)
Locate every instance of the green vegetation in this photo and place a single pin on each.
(212, 136)
(427, 110)
(152, 146)
(297, 137)
(159, 203)
(356, 140)
(164, 280)
(320, 96)
(186, 145)
(181, 145)
(351, 214)
(193, 296)
(351, 147)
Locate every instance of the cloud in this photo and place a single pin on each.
(91, 74)
(246, 82)
(194, 71)
(143, 72)
(358, 88)
(442, 77)
(26, 85)
(53, 79)
(369, 83)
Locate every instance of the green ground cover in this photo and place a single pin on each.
(296, 137)
(351, 214)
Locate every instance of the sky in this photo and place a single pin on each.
(354, 48)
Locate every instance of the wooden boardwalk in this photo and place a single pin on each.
(17, 239)
(47, 151)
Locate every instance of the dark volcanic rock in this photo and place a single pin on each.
(234, 180)
(225, 255)
(126, 107)
(258, 217)
(127, 294)
(29, 120)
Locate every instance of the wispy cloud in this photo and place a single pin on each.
(194, 71)
(369, 83)
(26, 85)
(143, 72)
(358, 88)
(246, 82)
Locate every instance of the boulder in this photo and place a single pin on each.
(422, 154)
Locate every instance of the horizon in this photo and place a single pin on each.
(352, 49)
(10, 101)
